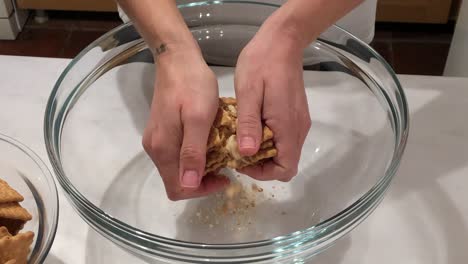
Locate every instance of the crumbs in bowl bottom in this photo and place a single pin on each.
(234, 208)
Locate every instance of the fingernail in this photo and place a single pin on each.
(247, 143)
(190, 179)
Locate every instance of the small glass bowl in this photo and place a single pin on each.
(27, 173)
(97, 112)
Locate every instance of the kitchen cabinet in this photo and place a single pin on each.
(81, 5)
(11, 20)
(457, 60)
(414, 11)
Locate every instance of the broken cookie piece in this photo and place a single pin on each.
(8, 194)
(15, 249)
(223, 150)
(13, 217)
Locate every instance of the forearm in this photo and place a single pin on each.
(160, 24)
(305, 20)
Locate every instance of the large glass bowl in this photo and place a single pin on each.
(26, 173)
(99, 106)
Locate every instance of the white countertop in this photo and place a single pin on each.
(423, 219)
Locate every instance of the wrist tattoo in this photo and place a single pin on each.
(161, 49)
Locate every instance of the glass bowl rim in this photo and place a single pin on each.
(31, 155)
(363, 206)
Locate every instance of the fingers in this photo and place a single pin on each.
(162, 140)
(163, 148)
(197, 123)
(249, 105)
(270, 171)
(290, 124)
(282, 168)
(209, 184)
(303, 117)
(184, 107)
(174, 150)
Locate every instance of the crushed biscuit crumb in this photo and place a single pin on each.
(233, 208)
(256, 188)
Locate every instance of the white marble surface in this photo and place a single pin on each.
(424, 218)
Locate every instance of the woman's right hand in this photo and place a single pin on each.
(183, 109)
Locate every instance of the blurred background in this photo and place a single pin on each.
(426, 37)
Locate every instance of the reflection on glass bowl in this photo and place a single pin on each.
(98, 109)
(25, 172)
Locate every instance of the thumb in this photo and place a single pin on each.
(193, 151)
(249, 125)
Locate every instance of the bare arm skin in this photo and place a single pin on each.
(268, 81)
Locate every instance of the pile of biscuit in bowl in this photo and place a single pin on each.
(14, 244)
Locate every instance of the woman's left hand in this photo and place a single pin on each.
(270, 88)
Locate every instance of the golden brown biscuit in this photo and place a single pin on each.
(4, 232)
(8, 194)
(15, 249)
(13, 217)
(222, 142)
